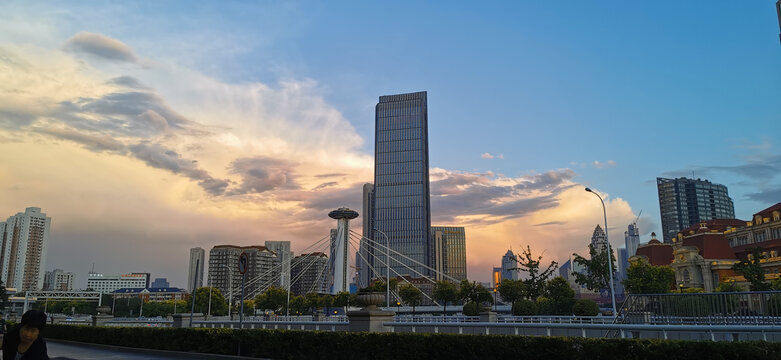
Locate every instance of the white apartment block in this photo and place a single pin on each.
(109, 283)
(58, 280)
(24, 237)
(197, 257)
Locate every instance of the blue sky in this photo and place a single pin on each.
(607, 94)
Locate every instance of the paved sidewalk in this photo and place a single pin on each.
(76, 351)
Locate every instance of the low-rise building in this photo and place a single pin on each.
(109, 283)
(151, 294)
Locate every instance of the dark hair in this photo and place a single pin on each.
(34, 319)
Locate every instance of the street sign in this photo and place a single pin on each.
(243, 263)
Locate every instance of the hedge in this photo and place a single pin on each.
(292, 344)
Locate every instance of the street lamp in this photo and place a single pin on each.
(609, 257)
(387, 268)
(495, 304)
(398, 305)
(680, 288)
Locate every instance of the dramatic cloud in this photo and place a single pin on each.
(159, 157)
(261, 174)
(128, 81)
(93, 142)
(455, 194)
(100, 46)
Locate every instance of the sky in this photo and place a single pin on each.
(144, 129)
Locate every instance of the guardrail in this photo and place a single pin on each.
(677, 332)
(285, 325)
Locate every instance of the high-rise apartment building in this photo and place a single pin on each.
(310, 272)
(197, 265)
(109, 283)
(262, 270)
(25, 237)
(449, 252)
(58, 280)
(401, 183)
(284, 258)
(684, 202)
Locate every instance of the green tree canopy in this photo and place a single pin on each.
(219, 305)
(731, 286)
(561, 296)
(474, 292)
(597, 276)
(536, 278)
(273, 299)
(644, 278)
(445, 291)
(512, 290)
(411, 295)
(752, 270)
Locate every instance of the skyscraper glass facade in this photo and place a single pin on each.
(401, 183)
(449, 252)
(684, 202)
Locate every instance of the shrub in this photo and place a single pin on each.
(472, 309)
(544, 306)
(291, 344)
(585, 307)
(524, 307)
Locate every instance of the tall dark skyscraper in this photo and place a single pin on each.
(684, 202)
(401, 184)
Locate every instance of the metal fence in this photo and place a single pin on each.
(740, 308)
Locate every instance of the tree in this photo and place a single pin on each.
(273, 299)
(512, 290)
(446, 292)
(411, 295)
(561, 295)
(585, 307)
(298, 305)
(474, 293)
(219, 305)
(644, 278)
(752, 270)
(597, 276)
(535, 278)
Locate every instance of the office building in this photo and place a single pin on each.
(160, 283)
(25, 237)
(686, 202)
(449, 252)
(510, 269)
(365, 256)
(262, 270)
(109, 283)
(197, 265)
(58, 280)
(401, 183)
(599, 240)
(310, 274)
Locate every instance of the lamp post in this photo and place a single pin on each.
(680, 288)
(398, 306)
(387, 268)
(495, 303)
(609, 257)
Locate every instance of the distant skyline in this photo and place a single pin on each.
(146, 129)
